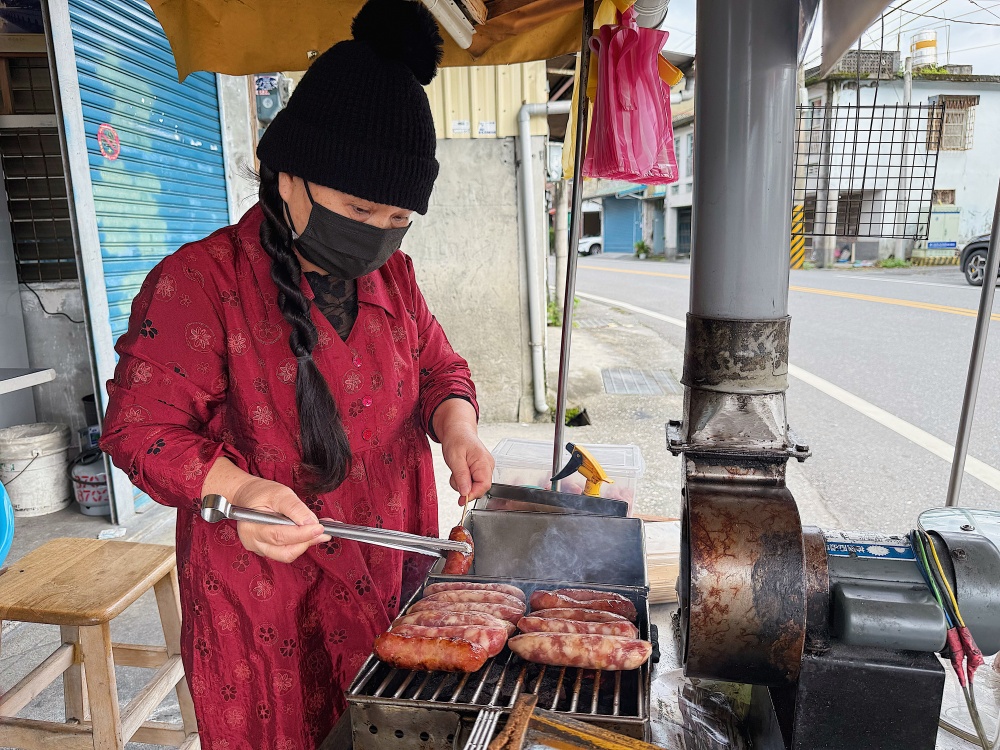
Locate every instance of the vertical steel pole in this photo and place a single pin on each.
(736, 347)
(745, 115)
(575, 227)
(976, 360)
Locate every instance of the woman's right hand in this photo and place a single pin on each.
(281, 543)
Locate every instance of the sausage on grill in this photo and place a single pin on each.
(491, 639)
(605, 652)
(621, 628)
(485, 597)
(503, 588)
(510, 614)
(559, 598)
(580, 615)
(441, 618)
(456, 563)
(429, 654)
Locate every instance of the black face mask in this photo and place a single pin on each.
(344, 248)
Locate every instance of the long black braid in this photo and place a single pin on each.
(326, 452)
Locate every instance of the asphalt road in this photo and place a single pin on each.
(898, 341)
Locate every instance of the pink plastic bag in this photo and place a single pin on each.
(631, 136)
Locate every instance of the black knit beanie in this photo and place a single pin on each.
(359, 120)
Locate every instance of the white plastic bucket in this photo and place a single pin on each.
(33, 460)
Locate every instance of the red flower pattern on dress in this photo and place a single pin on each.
(262, 587)
(193, 470)
(242, 671)
(141, 373)
(242, 562)
(287, 371)
(238, 343)
(228, 622)
(262, 416)
(199, 336)
(226, 534)
(266, 331)
(352, 382)
(199, 399)
(373, 326)
(282, 681)
(166, 287)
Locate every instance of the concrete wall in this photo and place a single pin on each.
(680, 193)
(54, 341)
(470, 266)
(238, 142)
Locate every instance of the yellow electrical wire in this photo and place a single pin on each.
(944, 580)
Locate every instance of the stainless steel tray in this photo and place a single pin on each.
(556, 547)
(534, 500)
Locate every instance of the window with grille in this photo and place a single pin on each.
(690, 155)
(944, 198)
(30, 155)
(953, 131)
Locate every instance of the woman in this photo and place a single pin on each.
(292, 356)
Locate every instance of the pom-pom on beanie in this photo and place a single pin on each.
(359, 120)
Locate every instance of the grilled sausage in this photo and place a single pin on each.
(492, 639)
(622, 628)
(552, 599)
(605, 652)
(580, 615)
(510, 614)
(429, 654)
(456, 563)
(440, 618)
(503, 588)
(486, 597)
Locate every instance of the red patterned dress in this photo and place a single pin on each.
(205, 370)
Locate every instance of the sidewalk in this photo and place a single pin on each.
(606, 338)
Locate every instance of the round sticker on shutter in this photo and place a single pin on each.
(107, 139)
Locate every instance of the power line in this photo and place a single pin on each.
(952, 20)
(988, 10)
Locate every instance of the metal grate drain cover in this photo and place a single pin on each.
(594, 322)
(630, 381)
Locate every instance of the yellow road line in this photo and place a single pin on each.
(964, 311)
(637, 273)
(949, 309)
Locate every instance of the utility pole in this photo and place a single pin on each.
(826, 200)
(903, 193)
(803, 149)
(561, 200)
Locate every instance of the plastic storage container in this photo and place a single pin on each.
(33, 459)
(528, 463)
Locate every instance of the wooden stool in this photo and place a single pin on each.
(82, 585)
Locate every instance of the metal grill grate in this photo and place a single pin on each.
(503, 678)
(867, 171)
(36, 200)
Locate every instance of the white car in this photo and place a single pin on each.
(590, 245)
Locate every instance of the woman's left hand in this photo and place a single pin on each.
(470, 462)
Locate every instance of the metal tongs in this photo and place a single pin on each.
(215, 508)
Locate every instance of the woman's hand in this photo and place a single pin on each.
(470, 462)
(281, 543)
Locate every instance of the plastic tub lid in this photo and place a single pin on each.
(617, 460)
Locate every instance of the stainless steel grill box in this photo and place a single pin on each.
(433, 710)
